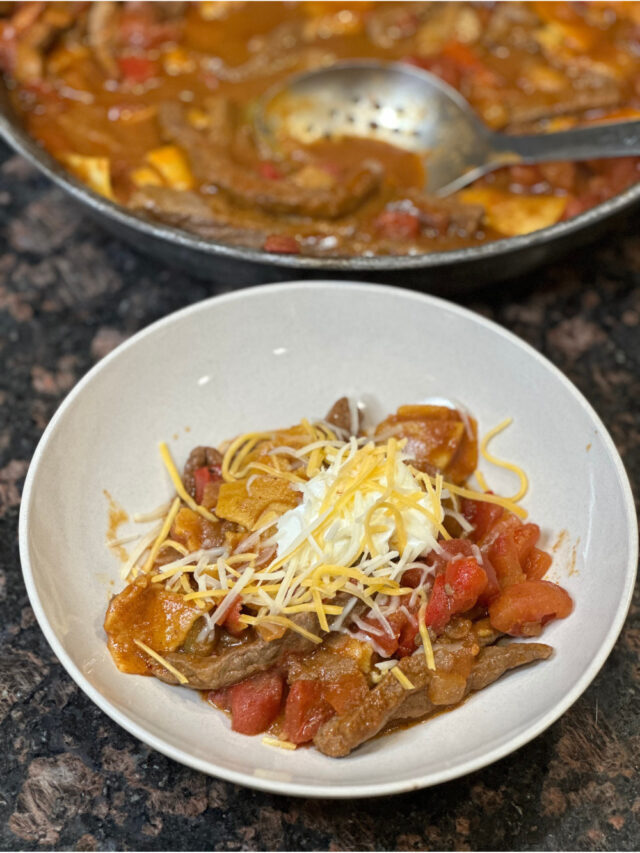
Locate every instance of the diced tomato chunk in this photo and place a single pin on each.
(507, 523)
(407, 638)
(503, 554)
(438, 610)
(468, 580)
(493, 587)
(305, 711)
(387, 643)
(525, 538)
(232, 621)
(402, 639)
(220, 698)
(136, 69)
(398, 224)
(537, 564)
(202, 476)
(523, 608)
(482, 515)
(281, 244)
(450, 549)
(207, 485)
(255, 702)
(455, 591)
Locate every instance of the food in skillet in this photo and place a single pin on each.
(323, 584)
(151, 105)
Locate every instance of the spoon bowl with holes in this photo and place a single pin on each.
(413, 109)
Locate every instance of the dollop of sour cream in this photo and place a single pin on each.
(335, 523)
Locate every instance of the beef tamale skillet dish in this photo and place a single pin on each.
(324, 583)
(151, 106)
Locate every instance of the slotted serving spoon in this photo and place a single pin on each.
(415, 110)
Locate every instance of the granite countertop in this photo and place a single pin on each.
(72, 779)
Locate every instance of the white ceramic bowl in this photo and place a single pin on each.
(266, 357)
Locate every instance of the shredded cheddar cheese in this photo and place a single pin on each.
(319, 609)
(206, 593)
(281, 620)
(501, 463)
(164, 532)
(426, 639)
(237, 451)
(274, 472)
(401, 678)
(154, 515)
(177, 546)
(129, 567)
(279, 744)
(506, 503)
(245, 557)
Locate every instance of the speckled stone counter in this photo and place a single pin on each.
(72, 779)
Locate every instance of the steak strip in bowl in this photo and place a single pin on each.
(389, 700)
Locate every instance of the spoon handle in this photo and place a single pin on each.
(620, 139)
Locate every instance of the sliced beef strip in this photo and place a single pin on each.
(445, 214)
(101, 34)
(341, 734)
(187, 210)
(494, 661)
(283, 49)
(491, 664)
(324, 664)
(222, 123)
(238, 662)
(286, 197)
(201, 148)
(214, 168)
(386, 702)
(592, 92)
(415, 706)
(200, 457)
(181, 207)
